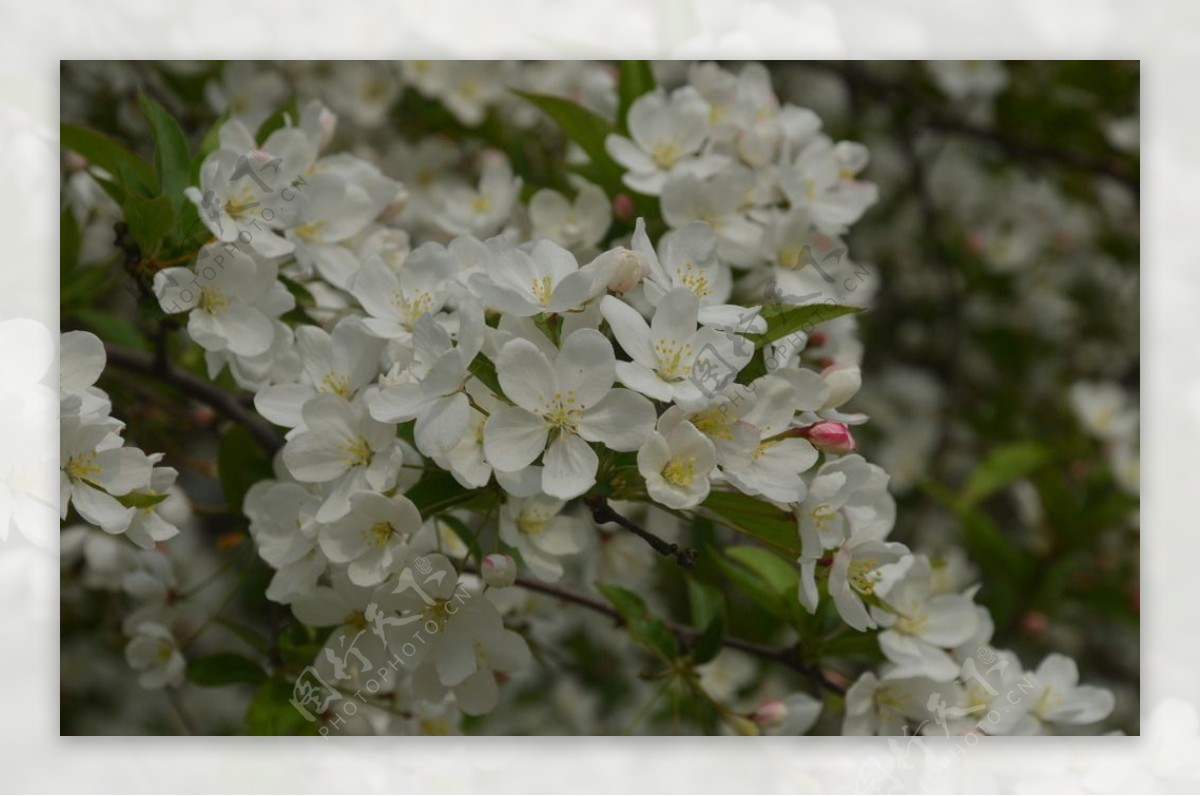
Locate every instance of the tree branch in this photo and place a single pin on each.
(602, 513)
(789, 657)
(206, 392)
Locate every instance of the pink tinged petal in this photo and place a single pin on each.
(570, 468)
(513, 438)
(621, 420)
(586, 365)
(525, 375)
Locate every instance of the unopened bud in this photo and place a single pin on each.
(499, 571)
(771, 714)
(625, 269)
(832, 437)
(742, 725)
(622, 205)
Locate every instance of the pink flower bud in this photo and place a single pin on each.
(499, 571)
(622, 205)
(832, 437)
(771, 714)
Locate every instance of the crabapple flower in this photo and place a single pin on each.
(499, 571)
(863, 567)
(154, 652)
(395, 302)
(340, 444)
(540, 278)
(666, 137)
(677, 465)
(666, 352)
(482, 211)
(774, 467)
(1057, 697)
(225, 295)
(560, 408)
(875, 707)
(541, 533)
(793, 715)
(96, 470)
(578, 225)
(373, 538)
(284, 529)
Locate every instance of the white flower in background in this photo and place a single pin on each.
(847, 494)
(154, 652)
(230, 298)
(147, 526)
(396, 301)
(282, 523)
(893, 707)
(565, 404)
(343, 446)
(727, 674)
(577, 225)
(962, 80)
(463, 639)
(96, 470)
(795, 714)
(539, 278)
(666, 137)
(1104, 409)
(374, 538)
(247, 192)
(541, 533)
(339, 363)
(81, 361)
(823, 180)
(1057, 698)
(436, 398)
(481, 211)
(466, 88)
(665, 353)
(356, 646)
(677, 465)
(247, 92)
(721, 202)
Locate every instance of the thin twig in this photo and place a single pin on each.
(602, 513)
(789, 657)
(221, 401)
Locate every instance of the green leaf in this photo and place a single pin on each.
(643, 627)
(241, 463)
(783, 320)
(1002, 467)
(140, 500)
(468, 537)
(112, 328)
(755, 518)
(288, 113)
(224, 668)
(68, 242)
(437, 491)
(708, 612)
(102, 151)
(780, 575)
(758, 590)
(150, 220)
(634, 78)
(483, 369)
(171, 159)
(586, 129)
(271, 712)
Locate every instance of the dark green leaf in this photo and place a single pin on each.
(586, 129)
(755, 518)
(140, 500)
(483, 369)
(112, 328)
(644, 628)
(271, 712)
(68, 242)
(171, 159)
(634, 78)
(103, 151)
(241, 463)
(224, 668)
(781, 576)
(1002, 467)
(783, 320)
(149, 220)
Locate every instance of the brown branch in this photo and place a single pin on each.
(789, 657)
(602, 513)
(221, 401)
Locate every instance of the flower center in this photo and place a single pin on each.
(358, 452)
(562, 412)
(680, 471)
(533, 522)
(666, 153)
(379, 534)
(412, 308)
(693, 279)
(212, 300)
(311, 231)
(863, 575)
(336, 384)
(541, 288)
(822, 516)
(82, 466)
(675, 359)
(713, 423)
(482, 203)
